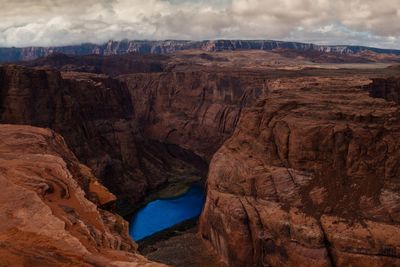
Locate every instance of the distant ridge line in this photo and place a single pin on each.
(12, 54)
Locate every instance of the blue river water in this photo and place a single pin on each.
(162, 214)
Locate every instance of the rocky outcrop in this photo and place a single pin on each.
(50, 211)
(388, 89)
(170, 46)
(310, 177)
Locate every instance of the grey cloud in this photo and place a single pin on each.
(61, 22)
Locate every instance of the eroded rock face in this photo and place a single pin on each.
(388, 89)
(102, 119)
(197, 110)
(94, 113)
(310, 177)
(110, 124)
(50, 211)
(91, 112)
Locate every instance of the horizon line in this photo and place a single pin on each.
(198, 41)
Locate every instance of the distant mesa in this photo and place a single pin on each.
(169, 46)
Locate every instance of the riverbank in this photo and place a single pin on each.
(180, 246)
(180, 178)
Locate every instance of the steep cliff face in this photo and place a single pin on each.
(388, 89)
(170, 46)
(92, 115)
(221, 45)
(197, 110)
(50, 211)
(310, 177)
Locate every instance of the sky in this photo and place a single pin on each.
(64, 22)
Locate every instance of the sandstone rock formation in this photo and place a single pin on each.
(388, 89)
(310, 177)
(91, 114)
(50, 207)
(197, 110)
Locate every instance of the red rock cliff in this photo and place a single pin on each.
(92, 115)
(388, 89)
(50, 211)
(197, 110)
(310, 177)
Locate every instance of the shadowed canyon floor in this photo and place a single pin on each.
(301, 156)
(176, 249)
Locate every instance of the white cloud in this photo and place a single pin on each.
(60, 22)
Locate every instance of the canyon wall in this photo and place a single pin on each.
(170, 46)
(310, 177)
(92, 115)
(196, 110)
(50, 212)
(388, 89)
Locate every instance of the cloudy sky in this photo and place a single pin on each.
(63, 22)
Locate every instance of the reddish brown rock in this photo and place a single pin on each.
(197, 110)
(91, 112)
(310, 177)
(94, 113)
(49, 212)
(388, 89)
(312, 160)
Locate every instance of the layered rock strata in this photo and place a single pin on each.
(170, 46)
(91, 112)
(196, 110)
(50, 211)
(131, 131)
(94, 114)
(388, 89)
(310, 177)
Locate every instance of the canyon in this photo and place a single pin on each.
(300, 154)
